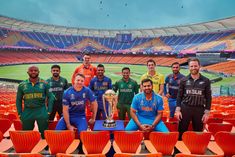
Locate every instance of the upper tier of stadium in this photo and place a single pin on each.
(211, 26)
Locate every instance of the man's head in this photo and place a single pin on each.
(100, 71)
(55, 70)
(79, 80)
(194, 65)
(175, 67)
(86, 59)
(151, 64)
(126, 73)
(33, 72)
(147, 86)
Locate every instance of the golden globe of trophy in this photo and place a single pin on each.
(110, 97)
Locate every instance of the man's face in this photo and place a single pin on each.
(151, 66)
(147, 87)
(86, 59)
(33, 72)
(79, 81)
(55, 72)
(175, 68)
(100, 71)
(126, 74)
(194, 67)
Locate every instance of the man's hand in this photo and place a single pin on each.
(91, 121)
(178, 115)
(205, 117)
(168, 95)
(70, 127)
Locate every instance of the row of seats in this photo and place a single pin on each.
(98, 142)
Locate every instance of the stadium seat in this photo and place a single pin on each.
(25, 141)
(172, 126)
(127, 141)
(17, 124)
(138, 155)
(194, 142)
(226, 141)
(214, 120)
(20, 155)
(79, 155)
(162, 142)
(5, 125)
(196, 155)
(230, 120)
(61, 141)
(95, 142)
(52, 125)
(216, 127)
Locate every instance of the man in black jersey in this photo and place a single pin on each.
(193, 99)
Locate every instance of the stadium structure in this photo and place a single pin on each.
(213, 42)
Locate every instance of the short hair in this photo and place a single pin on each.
(126, 68)
(146, 80)
(194, 59)
(175, 63)
(55, 66)
(86, 54)
(79, 74)
(151, 60)
(100, 66)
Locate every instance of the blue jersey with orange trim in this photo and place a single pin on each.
(147, 108)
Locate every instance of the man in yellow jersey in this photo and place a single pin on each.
(157, 78)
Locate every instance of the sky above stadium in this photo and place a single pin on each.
(118, 14)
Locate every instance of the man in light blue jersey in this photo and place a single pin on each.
(146, 110)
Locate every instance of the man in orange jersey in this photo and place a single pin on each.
(86, 69)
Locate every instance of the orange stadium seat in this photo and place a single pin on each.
(5, 125)
(17, 124)
(20, 155)
(196, 142)
(79, 155)
(61, 141)
(138, 155)
(24, 141)
(216, 127)
(127, 141)
(162, 142)
(226, 141)
(196, 155)
(95, 142)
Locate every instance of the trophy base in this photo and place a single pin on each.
(109, 123)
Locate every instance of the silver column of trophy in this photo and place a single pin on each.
(110, 97)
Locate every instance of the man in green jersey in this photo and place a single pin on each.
(34, 92)
(126, 88)
(57, 86)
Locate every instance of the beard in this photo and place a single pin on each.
(56, 75)
(194, 72)
(147, 91)
(33, 76)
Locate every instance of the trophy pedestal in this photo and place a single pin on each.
(109, 123)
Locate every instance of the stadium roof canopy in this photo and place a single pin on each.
(211, 26)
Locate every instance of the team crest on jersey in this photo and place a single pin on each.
(84, 95)
(72, 96)
(41, 86)
(202, 82)
(129, 86)
(61, 83)
(105, 83)
(24, 87)
(188, 83)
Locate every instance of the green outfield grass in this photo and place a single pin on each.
(112, 70)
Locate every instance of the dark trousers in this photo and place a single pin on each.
(57, 107)
(189, 114)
